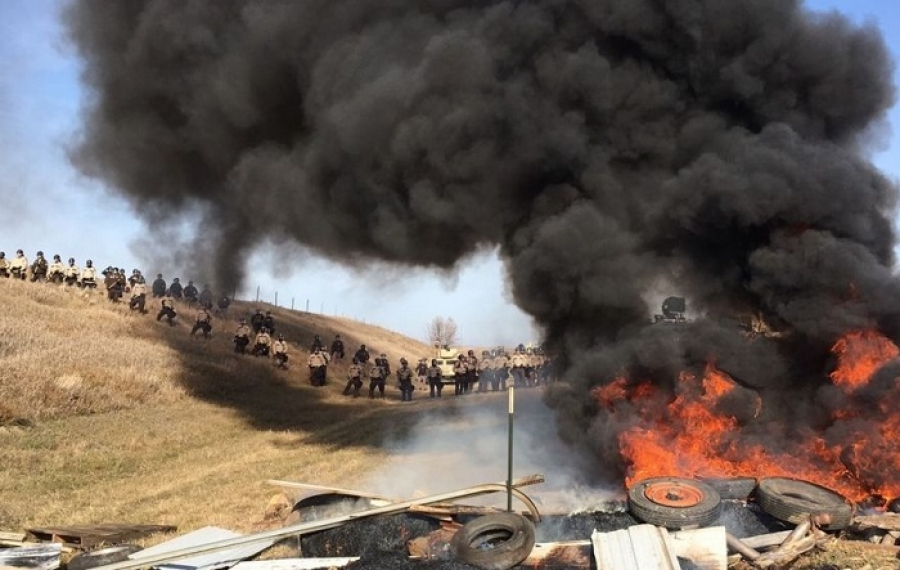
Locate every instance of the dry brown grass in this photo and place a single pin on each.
(110, 416)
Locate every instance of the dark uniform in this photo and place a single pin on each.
(405, 378)
(256, 321)
(362, 356)
(4, 265)
(39, 268)
(269, 322)
(191, 293)
(203, 322)
(435, 380)
(206, 298)
(159, 286)
(316, 344)
(337, 348)
(175, 289)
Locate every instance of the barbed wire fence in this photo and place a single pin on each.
(293, 302)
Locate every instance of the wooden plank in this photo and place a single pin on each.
(571, 555)
(762, 541)
(326, 489)
(706, 548)
(324, 524)
(87, 536)
(296, 563)
(883, 521)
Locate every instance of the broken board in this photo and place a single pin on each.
(89, 536)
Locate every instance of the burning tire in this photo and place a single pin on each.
(792, 500)
(732, 488)
(102, 557)
(494, 542)
(674, 502)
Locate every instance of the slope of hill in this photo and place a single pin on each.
(109, 415)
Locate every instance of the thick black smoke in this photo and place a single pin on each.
(610, 148)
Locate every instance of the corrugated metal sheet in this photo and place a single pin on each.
(641, 547)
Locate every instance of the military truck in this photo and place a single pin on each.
(446, 358)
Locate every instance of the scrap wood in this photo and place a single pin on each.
(451, 510)
(763, 541)
(883, 521)
(296, 563)
(89, 536)
(12, 538)
(568, 555)
(324, 524)
(326, 489)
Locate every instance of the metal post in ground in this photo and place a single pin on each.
(257, 293)
(509, 458)
(292, 303)
(276, 298)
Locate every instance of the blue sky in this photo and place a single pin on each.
(46, 205)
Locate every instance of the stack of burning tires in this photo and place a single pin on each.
(677, 502)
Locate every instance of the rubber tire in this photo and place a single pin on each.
(102, 557)
(466, 543)
(793, 500)
(732, 488)
(704, 513)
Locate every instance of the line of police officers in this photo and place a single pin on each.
(525, 367)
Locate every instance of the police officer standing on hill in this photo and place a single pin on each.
(159, 286)
(18, 266)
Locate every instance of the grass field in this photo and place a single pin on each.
(107, 416)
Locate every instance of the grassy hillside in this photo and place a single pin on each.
(108, 415)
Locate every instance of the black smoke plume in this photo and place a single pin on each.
(610, 148)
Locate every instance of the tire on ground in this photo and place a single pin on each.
(494, 542)
(793, 500)
(732, 488)
(674, 502)
(102, 557)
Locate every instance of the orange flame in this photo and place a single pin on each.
(684, 434)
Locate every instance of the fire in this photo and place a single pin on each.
(686, 434)
(859, 355)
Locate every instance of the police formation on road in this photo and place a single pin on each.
(256, 335)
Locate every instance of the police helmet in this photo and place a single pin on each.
(403, 361)
(2, 255)
(281, 337)
(175, 280)
(190, 282)
(158, 275)
(71, 260)
(433, 362)
(40, 254)
(89, 263)
(20, 252)
(362, 346)
(56, 257)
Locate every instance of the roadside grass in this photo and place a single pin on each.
(109, 416)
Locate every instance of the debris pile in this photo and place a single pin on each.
(671, 523)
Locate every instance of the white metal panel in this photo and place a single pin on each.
(640, 547)
(706, 548)
(297, 563)
(205, 535)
